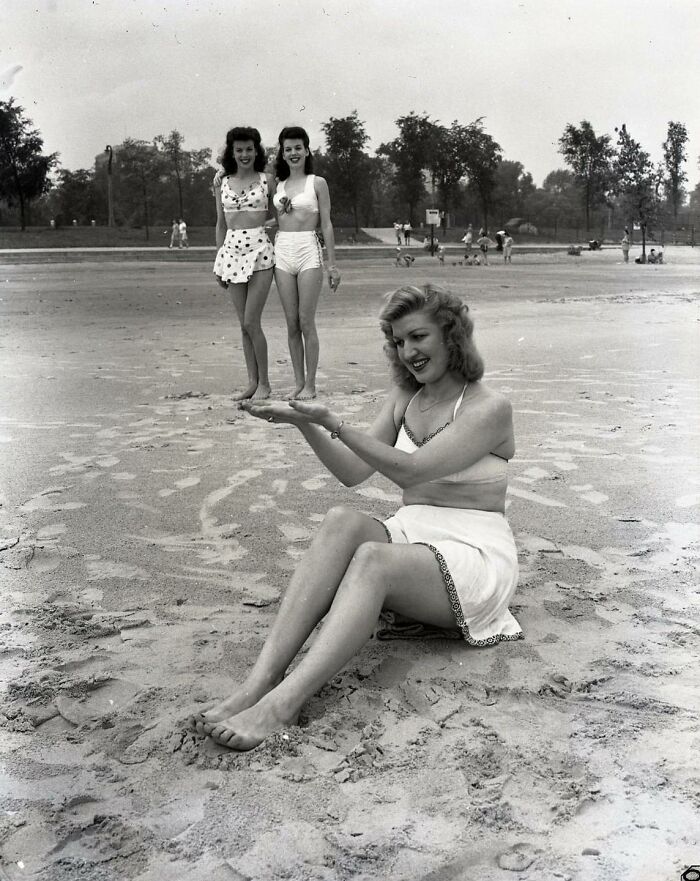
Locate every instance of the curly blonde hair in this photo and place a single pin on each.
(449, 313)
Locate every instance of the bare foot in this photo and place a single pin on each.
(295, 394)
(246, 730)
(262, 392)
(308, 393)
(248, 393)
(241, 699)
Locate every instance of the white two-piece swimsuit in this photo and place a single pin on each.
(474, 549)
(297, 251)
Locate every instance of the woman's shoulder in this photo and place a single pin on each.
(487, 400)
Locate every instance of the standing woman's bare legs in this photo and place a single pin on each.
(307, 599)
(289, 295)
(309, 284)
(258, 289)
(249, 300)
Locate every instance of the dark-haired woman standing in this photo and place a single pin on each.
(245, 261)
(303, 203)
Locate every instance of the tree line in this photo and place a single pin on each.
(458, 168)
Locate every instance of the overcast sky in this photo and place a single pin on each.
(90, 72)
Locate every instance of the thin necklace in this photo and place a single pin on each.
(435, 403)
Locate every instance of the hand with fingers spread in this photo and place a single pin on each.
(291, 412)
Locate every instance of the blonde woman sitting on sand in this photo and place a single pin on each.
(446, 558)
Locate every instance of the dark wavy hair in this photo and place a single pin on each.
(449, 313)
(242, 133)
(291, 133)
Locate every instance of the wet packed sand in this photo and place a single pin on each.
(147, 530)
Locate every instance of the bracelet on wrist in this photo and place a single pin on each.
(335, 434)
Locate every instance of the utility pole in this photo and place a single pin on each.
(110, 200)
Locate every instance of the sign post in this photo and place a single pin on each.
(432, 218)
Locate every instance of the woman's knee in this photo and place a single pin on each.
(252, 327)
(307, 325)
(372, 558)
(343, 519)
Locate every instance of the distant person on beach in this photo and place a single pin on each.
(446, 558)
(182, 229)
(507, 247)
(625, 245)
(467, 239)
(245, 260)
(174, 234)
(484, 242)
(407, 230)
(303, 203)
(398, 229)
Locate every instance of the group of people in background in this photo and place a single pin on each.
(250, 203)
(504, 242)
(653, 256)
(403, 233)
(178, 234)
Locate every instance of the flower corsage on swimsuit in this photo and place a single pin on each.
(285, 204)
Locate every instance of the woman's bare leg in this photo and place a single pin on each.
(289, 296)
(258, 289)
(238, 298)
(309, 284)
(405, 578)
(307, 599)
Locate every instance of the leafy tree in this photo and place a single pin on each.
(590, 158)
(674, 157)
(512, 190)
(140, 170)
(483, 158)
(637, 182)
(24, 169)
(410, 154)
(184, 164)
(449, 161)
(347, 165)
(557, 200)
(77, 196)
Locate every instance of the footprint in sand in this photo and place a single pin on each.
(46, 501)
(99, 569)
(591, 495)
(187, 482)
(314, 484)
(53, 530)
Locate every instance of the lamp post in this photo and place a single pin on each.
(110, 201)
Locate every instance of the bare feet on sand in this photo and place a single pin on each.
(259, 392)
(246, 730)
(293, 396)
(242, 698)
(308, 393)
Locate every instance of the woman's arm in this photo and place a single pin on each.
(271, 221)
(349, 468)
(324, 207)
(477, 430)
(220, 217)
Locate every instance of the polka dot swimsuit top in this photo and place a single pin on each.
(253, 198)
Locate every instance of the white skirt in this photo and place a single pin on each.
(244, 252)
(476, 553)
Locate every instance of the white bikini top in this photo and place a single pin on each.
(492, 468)
(306, 199)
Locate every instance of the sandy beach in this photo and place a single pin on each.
(148, 529)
